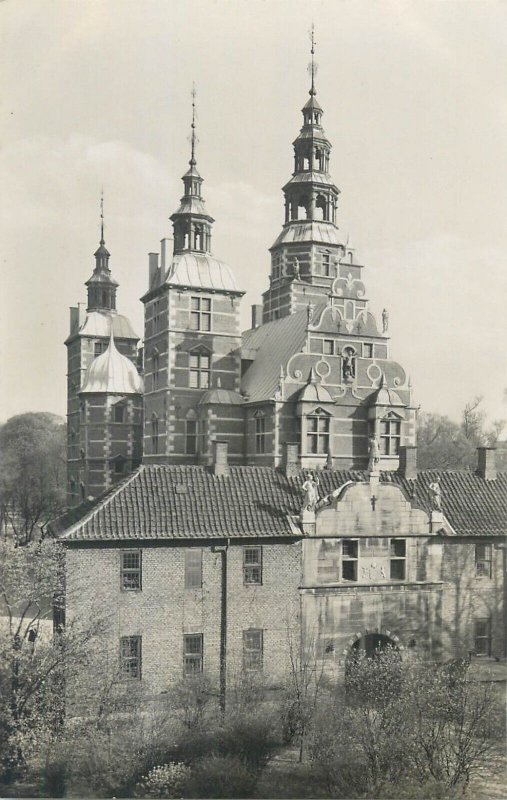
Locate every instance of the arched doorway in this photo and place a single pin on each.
(373, 645)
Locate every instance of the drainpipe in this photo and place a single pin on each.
(222, 549)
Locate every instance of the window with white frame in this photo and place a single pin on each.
(482, 636)
(130, 657)
(260, 434)
(252, 649)
(368, 350)
(192, 654)
(350, 548)
(131, 570)
(317, 432)
(326, 265)
(199, 369)
(398, 559)
(200, 314)
(252, 565)
(483, 560)
(390, 435)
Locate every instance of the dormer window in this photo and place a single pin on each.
(390, 435)
(317, 432)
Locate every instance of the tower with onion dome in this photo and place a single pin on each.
(192, 343)
(104, 388)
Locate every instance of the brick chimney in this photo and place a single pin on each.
(408, 462)
(256, 315)
(220, 459)
(291, 459)
(153, 269)
(486, 467)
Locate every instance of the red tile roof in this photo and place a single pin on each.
(179, 502)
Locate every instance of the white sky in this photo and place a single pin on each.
(415, 101)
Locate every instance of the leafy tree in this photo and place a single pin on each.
(32, 473)
(444, 444)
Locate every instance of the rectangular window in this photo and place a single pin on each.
(252, 650)
(119, 413)
(326, 265)
(483, 560)
(156, 311)
(200, 367)
(192, 654)
(131, 570)
(260, 435)
(482, 637)
(99, 348)
(130, 657)
(200, 314)
(154, 435)
(367, 350)
(349, 559)
(390, 437)
(328, 347)
(191, 436)
(193, 568)
(317, 435)
(397, 556)
(252, 565)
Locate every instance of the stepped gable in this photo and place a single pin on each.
(189, 502)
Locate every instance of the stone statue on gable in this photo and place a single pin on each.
(435, 495)
(310, 488)
(374, 453)
(385, 320)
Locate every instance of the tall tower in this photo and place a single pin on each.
(192, 339)
(306, 254)
(100, 446)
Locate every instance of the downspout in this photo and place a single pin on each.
(222, 549)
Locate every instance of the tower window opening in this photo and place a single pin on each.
(191, 436)
(349, 559)
(200, 369)
(260, 435)
(321, 208)
(306, 163)
(198, 238)
(155, 359)
(154, 434)
(186, 241)
(301, 209)
(119, 413)
(200, 314)
(326, 265)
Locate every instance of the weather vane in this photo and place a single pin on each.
(312, 66)
(102, 215)
(193, 138)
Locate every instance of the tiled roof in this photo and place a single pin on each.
(177, 502)
(271, 345)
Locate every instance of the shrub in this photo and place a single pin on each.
(168, 780)
(221, 777)
(253, 738)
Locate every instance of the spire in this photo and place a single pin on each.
(102, 286)
(191, 222)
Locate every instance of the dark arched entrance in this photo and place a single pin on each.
(373, 644)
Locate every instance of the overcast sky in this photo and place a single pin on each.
(97, 93)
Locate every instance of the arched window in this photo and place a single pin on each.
(302, 208)
(155, 367)
(260, 432)
(390, 435)
(321, 207)
(349, 309)
(317, 432)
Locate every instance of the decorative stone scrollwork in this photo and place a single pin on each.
(374, 373)
(298, 374)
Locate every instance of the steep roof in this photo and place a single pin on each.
(113, 373)
(271, 345)
(181, 502)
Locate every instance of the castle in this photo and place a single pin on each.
(238, 491)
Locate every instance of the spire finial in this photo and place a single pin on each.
(192, 135)
(312, 66)
(102, 215)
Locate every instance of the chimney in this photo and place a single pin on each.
(220, 460)
(291, 460)
(408, 462)
(256, 315)
(165, 254)
(153, 268)
(486, 467)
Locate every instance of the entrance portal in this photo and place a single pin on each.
(373, 644)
